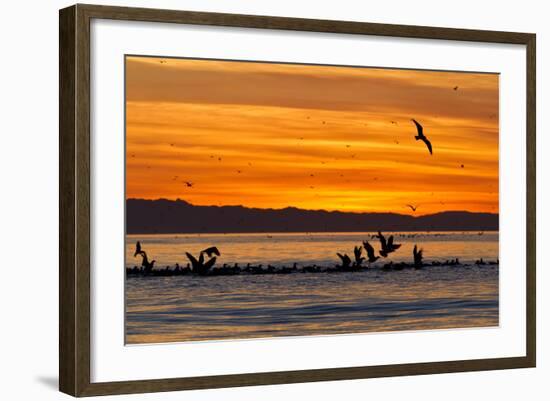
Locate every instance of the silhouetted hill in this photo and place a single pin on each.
(166, 216)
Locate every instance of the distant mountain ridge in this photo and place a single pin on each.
(164, 216)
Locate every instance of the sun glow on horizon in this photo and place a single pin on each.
(270, 135)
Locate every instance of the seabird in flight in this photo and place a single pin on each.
(370, 252)
(421, 135)
(138, 249)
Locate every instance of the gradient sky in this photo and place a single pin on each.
(315, 137)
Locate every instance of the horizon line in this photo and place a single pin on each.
(313, 210)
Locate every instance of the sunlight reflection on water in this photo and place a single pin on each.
(183, 308)
(315, 248)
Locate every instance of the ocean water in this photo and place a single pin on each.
(189, 308)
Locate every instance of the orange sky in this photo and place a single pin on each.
(314, 137)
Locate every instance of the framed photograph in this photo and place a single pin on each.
(250, 200)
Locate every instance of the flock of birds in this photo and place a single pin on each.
(203, 264)
(420, 136)
(386, 247)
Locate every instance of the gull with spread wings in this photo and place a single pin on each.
(387, 246)
(370, 252)
(421, 136)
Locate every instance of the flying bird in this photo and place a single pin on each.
(138, 249)
(370, 252)
(391, 246)
(421, 135)
(148, 266)
(199, 266)
(346, 261)
(211, 251)
(417, 255)
(357, 251)
(413, 208)
(188, 184)
(387, 246)
(383, 244)
(455, 88)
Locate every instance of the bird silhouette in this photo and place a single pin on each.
(387, 246)
(417, 255)
(383, 244)
(455, 88)
(346, 261)
(188, 184)
(138, 249)
(413, 208)
(391, 246)
(370, 252)
(357, 251)
(198, 265)
(211, 251)
(148, 266)
(421, 135)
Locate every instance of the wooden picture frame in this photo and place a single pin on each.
(74, 205)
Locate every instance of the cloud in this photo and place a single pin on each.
(274, 126)
(314, 87)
